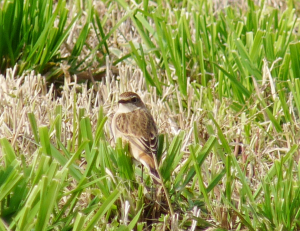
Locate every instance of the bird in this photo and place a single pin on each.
(134, 123)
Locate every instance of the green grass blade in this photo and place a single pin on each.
(34, 127)
(8, 151)
(104, 208)
(45, 140)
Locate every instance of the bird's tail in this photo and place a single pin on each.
(148, 162)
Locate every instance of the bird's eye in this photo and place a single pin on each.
(134, 100)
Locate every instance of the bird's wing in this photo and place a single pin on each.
(139, 128)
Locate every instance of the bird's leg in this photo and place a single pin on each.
(142, 173)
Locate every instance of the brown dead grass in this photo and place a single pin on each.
(20, 95)
(29, 93)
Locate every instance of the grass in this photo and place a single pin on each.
(222, 84)
(52, 38)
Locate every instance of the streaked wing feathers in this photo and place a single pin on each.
(139, 128)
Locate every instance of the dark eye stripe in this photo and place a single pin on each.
(123, 101)
(129, 100)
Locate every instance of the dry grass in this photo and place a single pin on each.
(21, 95)
(29, 93)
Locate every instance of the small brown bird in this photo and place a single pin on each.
(134, 123)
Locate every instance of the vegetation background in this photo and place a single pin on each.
(221, 79)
